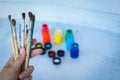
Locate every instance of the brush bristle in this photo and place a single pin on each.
(23, 15)
(26, 26)
(9, 17)
(14, 22)
(27, 31)
(30, 16)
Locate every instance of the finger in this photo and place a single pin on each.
(26, 73)
(20, 59)
(29, 78)
(36, 52)
(34, 41)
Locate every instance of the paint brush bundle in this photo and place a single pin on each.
(25, 36)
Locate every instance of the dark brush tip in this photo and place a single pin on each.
(30, 15)
(23, 15)
(9, 17)
(26, 26)
(14, 22)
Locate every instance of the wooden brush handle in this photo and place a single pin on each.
(27, 53)
(15, 43)
(13, 46)
(16, 48)
(12, 40)
(23, 35)
(28, 47)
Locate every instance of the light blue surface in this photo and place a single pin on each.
(96, 27)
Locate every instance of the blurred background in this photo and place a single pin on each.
(96, 27)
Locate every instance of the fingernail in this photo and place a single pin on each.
(22, 51)
(21, 76)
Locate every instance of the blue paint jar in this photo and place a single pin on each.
(74, 53)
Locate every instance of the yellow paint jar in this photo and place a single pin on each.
(58, 36)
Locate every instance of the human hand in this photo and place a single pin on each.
(12, 70)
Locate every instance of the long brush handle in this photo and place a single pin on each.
(12, 40)
(28, 54)
(20, 35)
(15, 42)
(13, 45)
(16, 47)
(29, 39)
(23, 35)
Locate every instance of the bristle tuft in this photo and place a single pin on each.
(23, 15)
(9, 17)
(14, 22)
(30, 16)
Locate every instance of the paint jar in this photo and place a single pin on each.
(74, 53)
(58, 36)
(45, 34)
(69, 39)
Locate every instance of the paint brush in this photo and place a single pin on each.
(33, 24)
(29, 40)
(20, 35)
(15, 37)
(12, 38)
(26, 31)
(23, 31)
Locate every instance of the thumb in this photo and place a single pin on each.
(19, 61)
